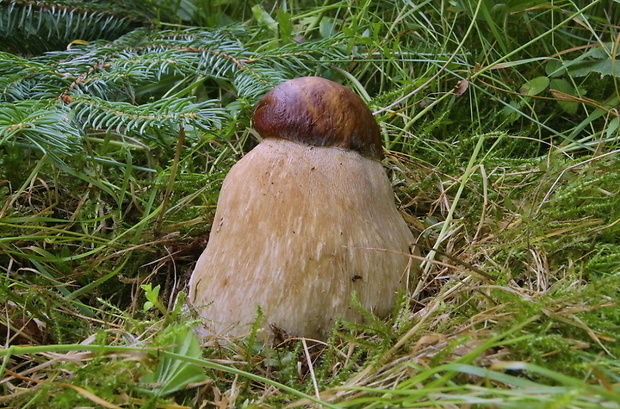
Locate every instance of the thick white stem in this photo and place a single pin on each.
(296, 231)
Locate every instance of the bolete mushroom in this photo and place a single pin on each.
(304, 220)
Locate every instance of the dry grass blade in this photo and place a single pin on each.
(91, 396)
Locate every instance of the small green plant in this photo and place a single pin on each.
(170, 375)
(152, 296)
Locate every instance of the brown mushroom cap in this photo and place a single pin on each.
(318, 112)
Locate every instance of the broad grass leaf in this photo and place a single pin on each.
(612, 127)
(603, 67)
(264, 19)
(535, 86)
(565, 87)
(285, 24)
(172, 374)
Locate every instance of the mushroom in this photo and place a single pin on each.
(305, 219)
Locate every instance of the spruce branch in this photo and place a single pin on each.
(40, 126)
(145, 84)
(32, 27)
(124, 117)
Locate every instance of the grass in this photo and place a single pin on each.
(501, 126)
